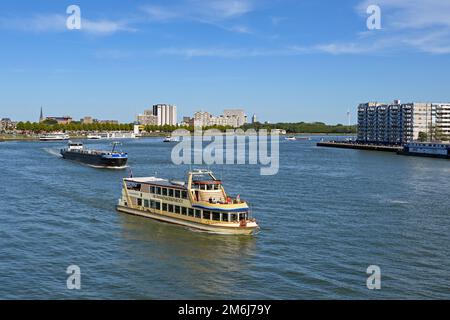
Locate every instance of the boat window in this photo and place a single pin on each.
(225, 217)
(139, 202)
(191, 212)
(177, 193)
(158, 206)
(158, 190)
(209, 187)
(207, 215)
(170, 192)
(164, 206)
(233, 217)
(183, 211)
(198, 214)
(184, 194)
(170, 207)
(164, 191)
(216, 216)
(152, 189)
(177, 209)
(146, 204)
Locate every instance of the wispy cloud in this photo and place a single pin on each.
(213, 12)
(422, 25)
(40, 23)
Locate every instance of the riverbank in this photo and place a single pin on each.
(24, 137)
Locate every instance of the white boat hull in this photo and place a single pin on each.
(250, 229)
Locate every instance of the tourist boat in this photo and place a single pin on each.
(199, 203)
(170, 139)
(426, 149)
(96, 158)
(93, 137)
(57, 136)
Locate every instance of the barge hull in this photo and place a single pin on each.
(423, 155)
(95, 160)
(198, 226)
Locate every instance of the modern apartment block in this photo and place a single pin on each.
(239, 114)
(159, 115)
(399, 123)
(232, 118)
(148, 118)
(443, 118)
(166, 113)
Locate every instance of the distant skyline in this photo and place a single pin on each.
(284, 60)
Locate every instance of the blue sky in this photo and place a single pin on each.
(285, 60)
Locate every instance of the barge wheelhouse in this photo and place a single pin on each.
(200, 203)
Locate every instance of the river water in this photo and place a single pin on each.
(325, 217)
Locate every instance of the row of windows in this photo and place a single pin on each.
(194, 213)
(174, 193)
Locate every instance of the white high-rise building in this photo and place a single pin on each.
(166, 114)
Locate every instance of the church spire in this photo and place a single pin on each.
(41, 117)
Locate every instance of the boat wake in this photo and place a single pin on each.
(53, 152)
(107, 168)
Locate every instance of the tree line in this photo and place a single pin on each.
(37, 127)
(301, 127)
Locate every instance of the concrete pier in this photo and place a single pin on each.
(349, 145)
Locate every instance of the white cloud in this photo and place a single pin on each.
(40, 23)
(212, 12)
(422, 25)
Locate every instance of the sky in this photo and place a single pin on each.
(283, 60)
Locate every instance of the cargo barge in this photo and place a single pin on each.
(100, 159)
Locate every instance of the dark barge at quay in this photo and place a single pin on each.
(427, 149)
(95, 158)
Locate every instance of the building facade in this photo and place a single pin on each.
(230, 118)
(148, 118)
(239, 114)
(166, 114)
(399, 123)
(60, 120)
(159, 115)
(7, 124)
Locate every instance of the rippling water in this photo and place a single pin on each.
(325, 218)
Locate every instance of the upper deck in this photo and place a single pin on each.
(202, 189)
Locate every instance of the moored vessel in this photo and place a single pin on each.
(56, 136)
(426, 149)
(96, 158)
(200, 203)
(170, 139)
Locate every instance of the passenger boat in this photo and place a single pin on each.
(200, 203)
(170, 139)
(426, 149)
(57, 136)
(96, 158)
(290, 138)
(93, 137)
